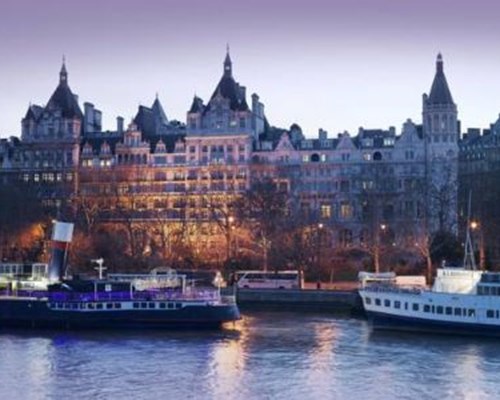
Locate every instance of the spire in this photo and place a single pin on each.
(440, 92)
(158, 111)
(63, 75)
(228, 65)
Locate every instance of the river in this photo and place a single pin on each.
(268, 355)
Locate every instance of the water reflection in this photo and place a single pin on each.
(266, 356)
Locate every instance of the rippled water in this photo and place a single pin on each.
(267, 356)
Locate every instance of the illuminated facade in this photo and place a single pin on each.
(161, 169)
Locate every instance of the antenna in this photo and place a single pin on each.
(100, 266)
(469, 260)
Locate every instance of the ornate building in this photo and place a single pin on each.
(374, 186)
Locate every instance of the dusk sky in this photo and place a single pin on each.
(336, 64)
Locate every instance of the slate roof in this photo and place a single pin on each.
(197, 105)
(440, 92)
(229, 89)
(34, 112)
(64, 100)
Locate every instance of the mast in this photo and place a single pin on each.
(469, 260)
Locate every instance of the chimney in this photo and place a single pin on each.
(119, 125)
(62, 234)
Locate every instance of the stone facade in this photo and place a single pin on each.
(360, 186)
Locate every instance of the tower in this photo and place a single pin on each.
(441, 135)
(440, 117)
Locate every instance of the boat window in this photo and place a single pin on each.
(118, 305)
(415, 307)
(99, 306)
(178, 305)
(170, 305)
(497, 313)
(397, 304)
(162, 305)
(109, 305)
(458, 311)
(74, 306)
(427, 308)
(433, 309)
(490, 314)
(136, 305)
(471, 312)
(368, 300)
(448, 310)
(151, 305)
(439, 309)
(91, 306)
(144, 305)
(387, 303)
(406, 306)
(480, 290)
(378, 302)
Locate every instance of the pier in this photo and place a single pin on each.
(330, 300)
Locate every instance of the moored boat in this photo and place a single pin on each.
(99, 304)
(461, 301)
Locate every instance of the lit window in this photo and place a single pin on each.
(326, 211)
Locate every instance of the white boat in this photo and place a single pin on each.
(461, 301)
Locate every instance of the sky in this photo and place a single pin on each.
(331, 64)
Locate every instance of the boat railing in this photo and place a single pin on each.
(146, 295)
(392, 289)
(36, 294)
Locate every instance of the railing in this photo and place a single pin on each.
(392, 289)
(147, 295)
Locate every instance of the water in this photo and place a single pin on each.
(267, 356)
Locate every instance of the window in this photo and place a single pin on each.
(458, 311)
(439, 309)
(326, 211)
(387, 303)
(397, 304)
(448, 310)
(471, 312)
(415, 307)
(427, 308)
(378, 302)
(490, 314)
(346, 210)
(368, 300)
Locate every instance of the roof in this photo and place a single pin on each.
(64, 100)
(229, 89)
(158, 111)
(34, 112)
(440, 92)
(197, 105)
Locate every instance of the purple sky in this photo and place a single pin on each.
(335, 64)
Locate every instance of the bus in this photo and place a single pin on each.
(269, 279)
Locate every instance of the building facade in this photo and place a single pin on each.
(373, 187)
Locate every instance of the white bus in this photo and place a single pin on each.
(269, 279)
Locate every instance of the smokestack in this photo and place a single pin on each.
(62, 234)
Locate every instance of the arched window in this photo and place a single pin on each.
(377, 156)
(315, 157)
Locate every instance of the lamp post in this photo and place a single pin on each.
(475, 226)
(318, 267)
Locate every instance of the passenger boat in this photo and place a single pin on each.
(461, 301)
(99, 303)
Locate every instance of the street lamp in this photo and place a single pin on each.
(320, 231)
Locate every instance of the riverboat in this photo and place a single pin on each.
(103, 303)
(461, 301)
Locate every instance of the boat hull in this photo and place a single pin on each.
(384, 321)
(32, 313)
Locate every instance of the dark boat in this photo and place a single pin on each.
(101, 304)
